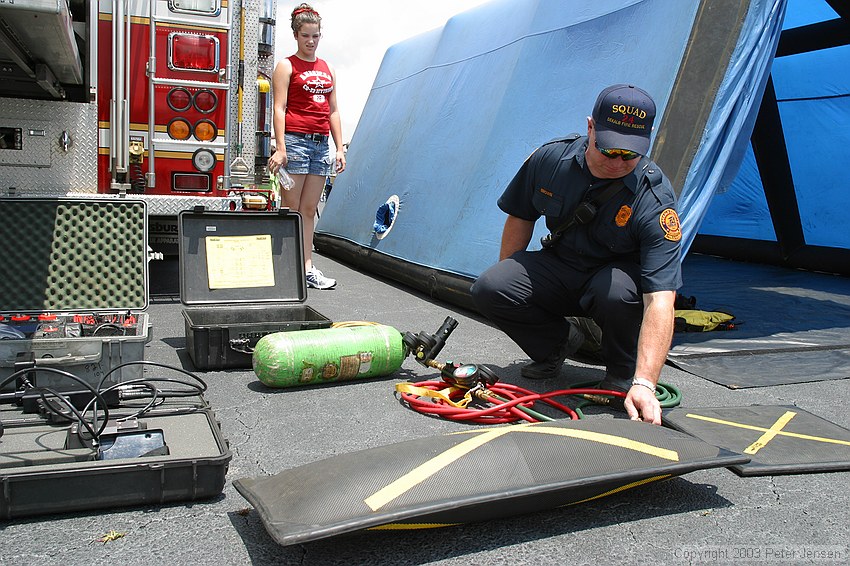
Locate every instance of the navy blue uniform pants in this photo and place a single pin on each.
(529, 294)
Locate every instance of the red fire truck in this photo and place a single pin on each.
(137, 97)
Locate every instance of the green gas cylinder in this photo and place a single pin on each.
(309, 357)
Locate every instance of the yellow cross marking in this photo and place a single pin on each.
(421, 473)
(771, 433)
(429, 468)
(769, 430)
(411, 526)
(621, 488)
(612, 440)
(418, 526)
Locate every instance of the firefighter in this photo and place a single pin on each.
(612, 254)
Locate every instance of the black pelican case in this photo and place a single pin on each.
(73, 290)
(174, 452)
(241, 277)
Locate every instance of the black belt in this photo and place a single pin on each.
(320, 138)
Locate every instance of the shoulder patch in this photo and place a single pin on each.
(670, 224)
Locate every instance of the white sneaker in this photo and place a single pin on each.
(317, 280)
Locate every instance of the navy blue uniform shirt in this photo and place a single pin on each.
(638, 224)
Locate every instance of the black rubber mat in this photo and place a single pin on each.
(779, 439)
(793, 326)
(478, 475)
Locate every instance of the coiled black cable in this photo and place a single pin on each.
(155, 395)
(96, 396)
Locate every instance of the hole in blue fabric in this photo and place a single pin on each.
(385, 217)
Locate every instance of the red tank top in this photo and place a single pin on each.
(307, 106)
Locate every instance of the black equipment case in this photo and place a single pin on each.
(241, 277)
(174, 452)
(73, 289)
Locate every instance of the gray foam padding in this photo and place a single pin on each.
(65, 254)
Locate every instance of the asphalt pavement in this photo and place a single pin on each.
(707, 516)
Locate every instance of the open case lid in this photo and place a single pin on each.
(241, 257)
(73, 254)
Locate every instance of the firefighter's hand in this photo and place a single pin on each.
(277, 160)
(641, 405)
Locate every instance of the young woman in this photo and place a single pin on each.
(305, 112)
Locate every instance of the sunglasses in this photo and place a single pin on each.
(615, 153)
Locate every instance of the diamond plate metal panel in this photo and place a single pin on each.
(26, 145)
(171, 205)
(71, 171)
(265, 65)
(254, 63)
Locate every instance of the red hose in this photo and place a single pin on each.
(507, 409)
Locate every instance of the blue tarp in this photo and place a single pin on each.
(813, 95)
(454, 112)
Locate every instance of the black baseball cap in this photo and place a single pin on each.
(624, 115)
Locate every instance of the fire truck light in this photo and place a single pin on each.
(179, 99)
(204, 7)
(179, 129)
(203, 160)
(205, 130)
(205, 101)
(190, 182)
(190, 52)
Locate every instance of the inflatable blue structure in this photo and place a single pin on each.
(454, 112)
(788, 203)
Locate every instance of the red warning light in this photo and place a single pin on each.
(191, 182)
(179, 99)
(205, 101)
(191, 52)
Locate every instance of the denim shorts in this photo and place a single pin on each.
(307, 157)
